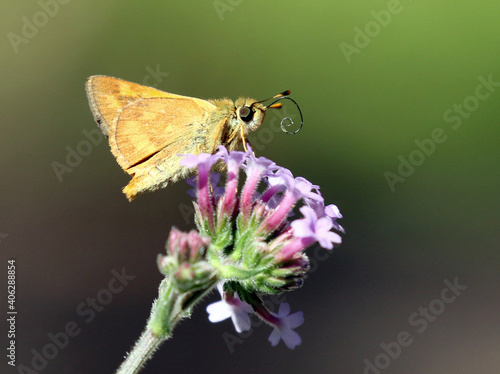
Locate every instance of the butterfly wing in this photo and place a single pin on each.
(108, 95)
(152, 133)
(148, 129)
(148, 126)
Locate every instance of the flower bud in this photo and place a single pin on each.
(185, 262)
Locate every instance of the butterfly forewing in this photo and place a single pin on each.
(147, 126)
(108, 95)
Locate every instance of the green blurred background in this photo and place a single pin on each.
(366, 100)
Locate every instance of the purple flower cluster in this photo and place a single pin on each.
(273, 209)
(255, 246)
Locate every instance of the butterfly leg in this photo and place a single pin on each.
(198, 149)
(243, 139)
(246, 141)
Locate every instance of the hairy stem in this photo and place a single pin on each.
(143, 350)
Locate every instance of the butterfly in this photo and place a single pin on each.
(149, 130)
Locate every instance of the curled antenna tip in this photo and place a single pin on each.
(283, 123)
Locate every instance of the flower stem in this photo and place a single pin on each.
(143, 350)
(168, 310)
(157, 331)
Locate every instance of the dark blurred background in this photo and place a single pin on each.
(400, 101)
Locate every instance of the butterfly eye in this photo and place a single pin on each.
(246, 114)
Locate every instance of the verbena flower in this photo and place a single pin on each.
(255, 247)
(249, 243)
(230, 306)
(284, 323)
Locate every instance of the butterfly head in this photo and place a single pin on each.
(250, 113)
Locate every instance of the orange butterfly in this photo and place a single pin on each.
(148, 129)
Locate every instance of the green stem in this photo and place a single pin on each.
(161, 312)
(169, 309)
(143, 350)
